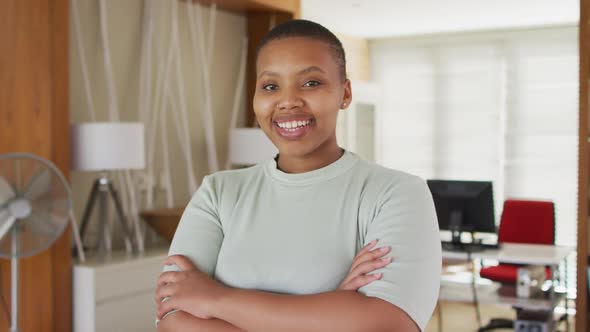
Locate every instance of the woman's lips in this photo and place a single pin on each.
(294, 129)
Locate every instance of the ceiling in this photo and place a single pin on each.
(390, 18)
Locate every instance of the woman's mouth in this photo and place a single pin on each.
(293, 129)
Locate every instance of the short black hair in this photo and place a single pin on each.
(307, 29)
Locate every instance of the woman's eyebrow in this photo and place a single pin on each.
(303, 71)
(267, 73)
(311, 69)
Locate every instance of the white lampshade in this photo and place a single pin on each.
(249, 146)
(99, 146)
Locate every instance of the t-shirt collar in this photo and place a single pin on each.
(343, 164)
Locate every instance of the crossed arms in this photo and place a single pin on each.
(405, 220)
(207, 305)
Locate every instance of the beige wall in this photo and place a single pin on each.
(357, 57)
(125, 35)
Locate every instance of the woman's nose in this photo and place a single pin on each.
(289, 100)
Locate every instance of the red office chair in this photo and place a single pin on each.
(531, 222)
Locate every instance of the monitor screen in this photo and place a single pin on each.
(463, 206)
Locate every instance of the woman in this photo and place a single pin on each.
(316, 239)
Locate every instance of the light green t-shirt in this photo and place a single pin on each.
(260, 228)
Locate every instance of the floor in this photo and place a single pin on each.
(460, 317)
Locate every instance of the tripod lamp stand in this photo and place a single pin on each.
(102, 147)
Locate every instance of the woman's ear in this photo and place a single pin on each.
(347, 97)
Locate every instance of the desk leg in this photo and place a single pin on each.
(474, 292)
(556, 281)
(567, 316)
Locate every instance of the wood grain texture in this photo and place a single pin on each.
(60, 155)
(289, 6)
(34, 118)
(583, 172)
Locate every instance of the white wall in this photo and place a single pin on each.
(395, 18)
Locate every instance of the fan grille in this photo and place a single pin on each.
(35, 203)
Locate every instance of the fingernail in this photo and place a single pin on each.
(389, 259)
(384, 249)
(378, 275)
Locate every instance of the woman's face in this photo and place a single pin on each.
(299, 91)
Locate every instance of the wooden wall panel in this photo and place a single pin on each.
(60, 155)
(291, 6)
(34, 118)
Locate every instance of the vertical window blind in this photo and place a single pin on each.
(495, 106)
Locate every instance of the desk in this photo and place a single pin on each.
(511, 253)
(516, 253)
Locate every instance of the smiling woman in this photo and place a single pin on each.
(316, 239)
(300, 81)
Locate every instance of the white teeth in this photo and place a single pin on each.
(292, 125)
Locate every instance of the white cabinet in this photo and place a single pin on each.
(117, 294)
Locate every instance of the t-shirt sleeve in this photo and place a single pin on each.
(199, 233)
(406, 221)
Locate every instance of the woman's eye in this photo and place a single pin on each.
(269, 87)
(311, 83)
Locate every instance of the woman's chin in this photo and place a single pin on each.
(292, 151)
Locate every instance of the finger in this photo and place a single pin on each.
(168, 277)
(163, 292)
(361, 281)
(367, 247)
(371, 255)
(165, 307)
(366, 267)
(369, 266)
(181, 261)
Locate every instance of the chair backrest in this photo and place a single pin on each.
(530, 222)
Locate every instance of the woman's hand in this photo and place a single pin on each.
(189, 290)
(365, 261)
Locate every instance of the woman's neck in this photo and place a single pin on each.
(321, 157)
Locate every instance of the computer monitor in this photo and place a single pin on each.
(463, 206)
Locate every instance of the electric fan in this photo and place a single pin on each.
(35, 206)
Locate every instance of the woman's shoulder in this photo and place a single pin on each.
(234, 177)
(388, 177)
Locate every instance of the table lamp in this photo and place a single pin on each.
(107, 146)
(249, 146)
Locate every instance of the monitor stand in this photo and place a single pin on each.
(455, 226)
(459, 246)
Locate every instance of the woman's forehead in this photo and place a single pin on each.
(296, 53)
